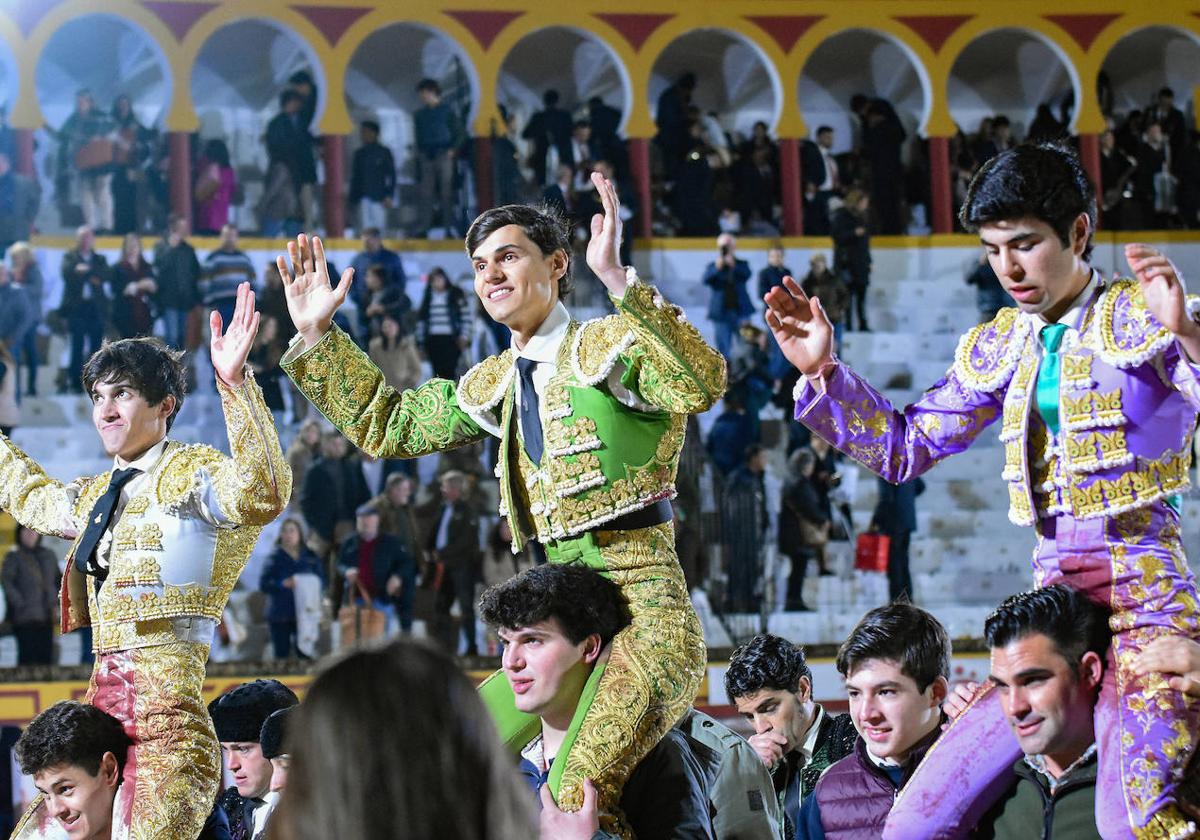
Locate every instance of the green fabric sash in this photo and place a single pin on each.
(517, 728)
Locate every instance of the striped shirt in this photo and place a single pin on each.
(224, 271)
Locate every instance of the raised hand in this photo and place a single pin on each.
(604, 248)
(230, 349)
(800, 326)
(1162, 286)
(311, 300)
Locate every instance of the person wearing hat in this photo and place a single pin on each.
(238, 716)
(272, 741)
(378, 569)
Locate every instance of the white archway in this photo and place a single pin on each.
(576, 63)
(1010, 71)
(868, 62)
(1147, 60)
(237, 78)
(734, 77)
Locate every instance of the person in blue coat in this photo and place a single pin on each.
(730, 303)
(290, 558)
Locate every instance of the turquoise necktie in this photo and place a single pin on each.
(1047, 382)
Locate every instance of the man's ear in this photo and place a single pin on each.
(592, 648)
(559, 261)
(938, 689)
(110, 770)
(1091, 670)
(167, 407)
(1081, 230)
(804, 693)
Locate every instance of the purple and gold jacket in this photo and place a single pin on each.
(1128, 401)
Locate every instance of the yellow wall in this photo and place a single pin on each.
(935, 32)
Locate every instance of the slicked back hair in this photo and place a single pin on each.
(903, 633)
(152, 368)
(1044, 181)
(1064, 615)
(71, 733)
(579, 598)
(544, 225)
(766, 662)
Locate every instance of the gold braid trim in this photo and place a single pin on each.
(346, 386)
(674, 368)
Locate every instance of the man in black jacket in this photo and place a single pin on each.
(1048, 649)
(333, 489)
(372, 178)
(85, 300)
(378, 567)
(896, 516)
(453, 544)
(178, 271)
(771, 684)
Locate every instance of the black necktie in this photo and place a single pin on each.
(531, 419)
(98, 520)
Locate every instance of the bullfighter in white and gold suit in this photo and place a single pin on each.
(158, 544)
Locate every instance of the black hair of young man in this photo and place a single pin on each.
(766, 662)
(71, 733)
(902, 633)
(579, 598)
(152, 368)
(1044, 181)
(1064, 615)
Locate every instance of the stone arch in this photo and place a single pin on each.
(381, 84)
(735, 76)
(239, 71)
(1144, 60)
(536, 64)
(1010, 71)
(109, 55)
(865, 61)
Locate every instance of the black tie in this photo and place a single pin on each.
(531, 420)
(98, 520)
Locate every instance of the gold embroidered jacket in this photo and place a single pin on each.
(1128, 401)
(183, 538)
(598, 463)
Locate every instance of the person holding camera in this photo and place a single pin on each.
(730, 303)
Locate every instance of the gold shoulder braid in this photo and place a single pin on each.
(988, 353)
(484, 385)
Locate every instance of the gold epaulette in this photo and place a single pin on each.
(483, 386)
(597, 346)
(988, 354)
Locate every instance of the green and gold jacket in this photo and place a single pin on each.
(602, 459)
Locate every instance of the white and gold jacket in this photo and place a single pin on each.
(183, 538)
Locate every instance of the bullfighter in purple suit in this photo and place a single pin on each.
(1095, 384)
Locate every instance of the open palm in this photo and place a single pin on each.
(311, 300)
(1162, 286)
(229, 349)
(604, 248)
(800, 326)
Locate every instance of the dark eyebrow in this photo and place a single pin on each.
(1020, 237)
(765, 703)
(498, 249)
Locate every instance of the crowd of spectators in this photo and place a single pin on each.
(706, 178)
